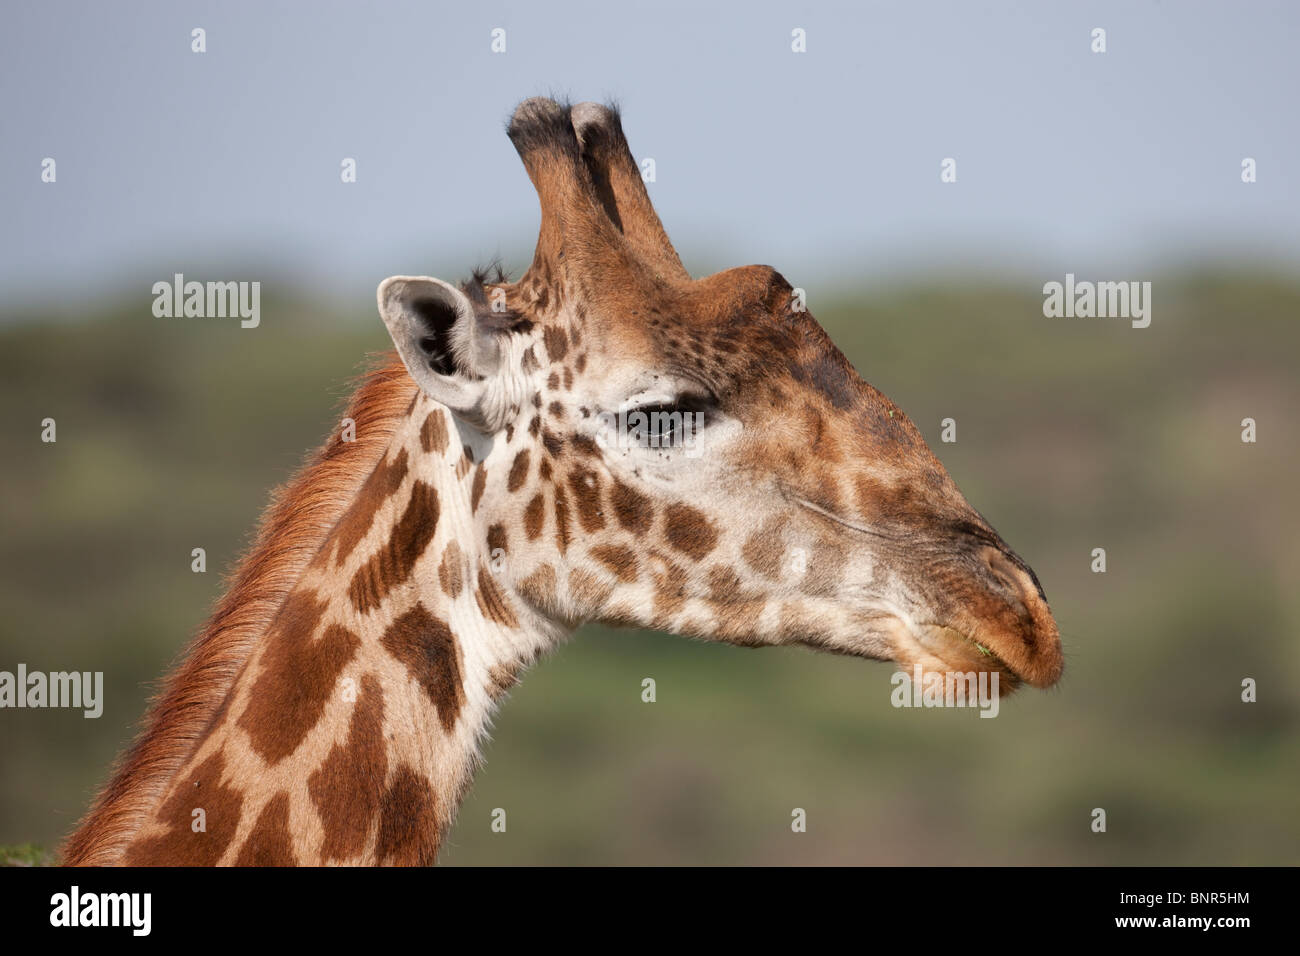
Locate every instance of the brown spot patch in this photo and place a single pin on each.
(737, 624)
(451, 570)
(408, 821)
(689, 530)
(539, 589)
(825, 570)
(356, 521)
(347, 787)
(535, 517)
(765, 548)
(819, 440)
(736, 610)
(497, 538)
(492, 602)
(586, 446)
(557, 343)
(476, 489)
(297, 676)
(670, 590)
(724, 584)
(587, 590)
(530, 362)
(201, 789)
(428, 650)
(269, 843)
(561, 519)
(552, 442)
(433, 433)
(392, 564)
(586, 496)
(877, 501)
(620, 560)
(518, 471)
(633, 509)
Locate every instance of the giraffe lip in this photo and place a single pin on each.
(959, 651)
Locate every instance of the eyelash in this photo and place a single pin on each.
(649, 428)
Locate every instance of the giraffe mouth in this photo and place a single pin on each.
(938, 648)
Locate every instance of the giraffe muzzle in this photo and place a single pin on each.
(986, 613)
(1004, 623)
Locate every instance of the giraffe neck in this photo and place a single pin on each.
(352, 731)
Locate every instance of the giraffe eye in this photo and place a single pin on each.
(664, 425)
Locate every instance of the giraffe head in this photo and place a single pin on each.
(696, 456)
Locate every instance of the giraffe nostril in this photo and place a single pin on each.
(1004, 572)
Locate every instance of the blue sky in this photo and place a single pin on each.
(824, 164)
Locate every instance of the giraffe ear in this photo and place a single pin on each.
(441, 343)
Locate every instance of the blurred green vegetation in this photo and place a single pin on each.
(1072, 434)
(28, 854)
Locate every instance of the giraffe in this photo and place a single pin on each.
(502, 490)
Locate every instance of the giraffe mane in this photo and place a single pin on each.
(292, 529)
